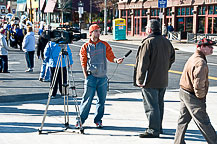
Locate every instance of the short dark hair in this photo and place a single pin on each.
(29, 29)
(154, 25)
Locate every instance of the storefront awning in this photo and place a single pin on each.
(21, 7)
(50, 6)
(42, 4)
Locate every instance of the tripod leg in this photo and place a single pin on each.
(45, 114)
(78, 115)
(65, 111)
(49, 97)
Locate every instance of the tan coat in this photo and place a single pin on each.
(194, 78)
(155, 56)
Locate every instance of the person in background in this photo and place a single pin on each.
(28, 46)
(41, 28)
(194, 86)
(3, 53)
(164, 30)
(51, 55)
(170, 27)
(45, 71)
(19, 36)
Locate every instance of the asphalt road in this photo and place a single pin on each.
(121, 79)
(20, 86)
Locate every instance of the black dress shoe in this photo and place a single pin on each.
(148, 135)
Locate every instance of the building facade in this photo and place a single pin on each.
(194, 16)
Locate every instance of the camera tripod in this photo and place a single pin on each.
(66, 88)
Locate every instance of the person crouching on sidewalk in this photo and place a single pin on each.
(3, 53)
(28, 47)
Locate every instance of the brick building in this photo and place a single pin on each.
(195, 16)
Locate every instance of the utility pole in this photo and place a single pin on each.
(30, 10)
(39, 11)
(90, 16)
(62, 12)
(105, 18)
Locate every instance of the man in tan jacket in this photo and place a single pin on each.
(193, 90)
(154, 58)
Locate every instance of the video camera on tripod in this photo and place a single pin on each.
(64, 35)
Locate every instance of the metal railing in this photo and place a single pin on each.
(174, 36)
(193, 38)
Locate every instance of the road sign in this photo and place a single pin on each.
(162, 3)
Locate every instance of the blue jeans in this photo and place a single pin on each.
(91, 85)
(30, 58)
(153, 99)
(45, 71)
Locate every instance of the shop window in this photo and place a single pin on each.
(169, 11)
(189, 24)
(187, 11)
(137, 13)
(155, 12)
(144, 12)
(192, 10)
(180, 25)
(129, 24)
(183, 11)
(144, 24)
(128, 12)
(209, 25)
(215, 9)
(210, 10)
(199, 10)
(215, 25)
(158, 12)
(204, 10)
(123, 13)
(201, 25)
(179, 11)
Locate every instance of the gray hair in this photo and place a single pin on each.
(154, 25)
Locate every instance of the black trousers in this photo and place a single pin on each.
(58, 79)
(20, 41)
(4, 63)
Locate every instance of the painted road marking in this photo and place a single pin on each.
(177, 72)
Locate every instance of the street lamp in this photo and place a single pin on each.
(105, 18)
(80, 11)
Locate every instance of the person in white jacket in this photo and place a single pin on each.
(3, 53)
(28, 47)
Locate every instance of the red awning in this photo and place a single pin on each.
(42, 4)
(50, 6)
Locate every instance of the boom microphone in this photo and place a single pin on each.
(128, 53)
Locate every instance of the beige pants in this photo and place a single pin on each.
(194, 108)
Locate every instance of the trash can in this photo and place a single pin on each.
(119, 29)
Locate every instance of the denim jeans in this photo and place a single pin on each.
(91, 85)
(153, 99)
(45, 71)
(30, 58)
